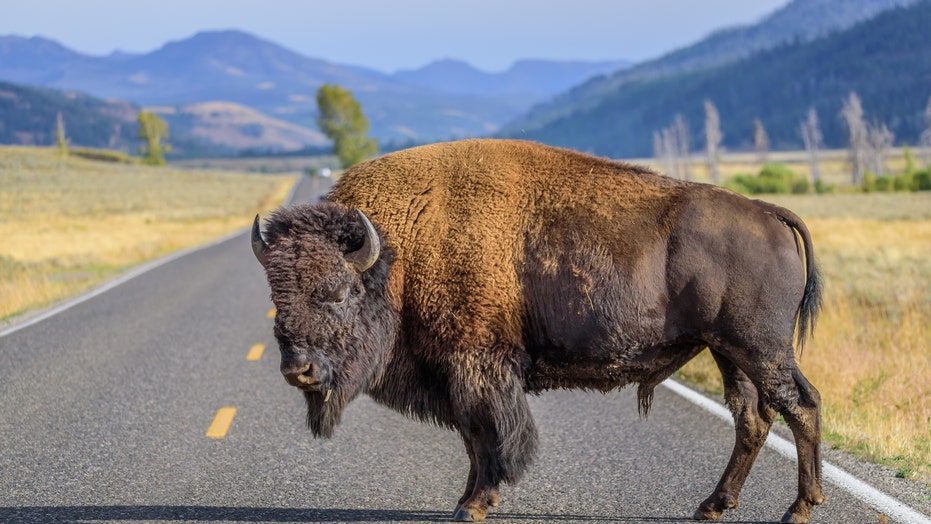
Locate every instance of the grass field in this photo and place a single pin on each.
(69, 225)
(870, 357)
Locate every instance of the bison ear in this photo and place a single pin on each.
(364, 257)
(259, 247)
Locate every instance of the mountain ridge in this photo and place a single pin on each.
(882, 59)
(801, 19)
(239, 67)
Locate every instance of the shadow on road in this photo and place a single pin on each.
(44, 514)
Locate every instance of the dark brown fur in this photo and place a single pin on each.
(510, 267)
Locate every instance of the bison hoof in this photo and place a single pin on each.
(794, 518)
(469, 515)
(707, 514)
(714, 506)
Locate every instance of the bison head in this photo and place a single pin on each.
(328, 275)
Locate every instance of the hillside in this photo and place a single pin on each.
(884, 60)
(28, 116)
(237, 67)
(228, 127)
(800, 20)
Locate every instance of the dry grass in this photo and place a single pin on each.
(870, 356)
(69, 225)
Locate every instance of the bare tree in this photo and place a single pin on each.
(671, 152)
(879, 138)
(926, 136)
(760, 141)
(811, 135)
(661, 153)
(852, 113)
(713, 138)
(61, 139)
(682, 146)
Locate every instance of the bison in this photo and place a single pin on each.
(448, 281)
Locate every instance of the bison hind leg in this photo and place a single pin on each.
(778, 386)
(752, 421)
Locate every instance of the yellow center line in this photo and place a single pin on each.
(255, 352)
(271, 313)
(221, 422)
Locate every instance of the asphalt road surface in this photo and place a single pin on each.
(105, 409)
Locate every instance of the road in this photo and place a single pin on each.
(105, 408)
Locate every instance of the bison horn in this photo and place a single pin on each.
(259, 247)
(365, 257)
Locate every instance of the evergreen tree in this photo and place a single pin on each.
(341, 120)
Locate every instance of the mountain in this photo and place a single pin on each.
(237, 67)
(529, 78)
(884, 60)
(799, 20)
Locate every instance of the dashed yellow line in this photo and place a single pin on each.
(255, 352)
(221, 422)
(271, 313)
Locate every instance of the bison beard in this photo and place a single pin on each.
(324, 415)
(497, 268)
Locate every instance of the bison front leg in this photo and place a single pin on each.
(473, 473)
(499, 434)
(752, 421)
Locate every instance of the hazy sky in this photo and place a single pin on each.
(393, 34)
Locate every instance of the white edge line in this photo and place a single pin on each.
(885, 504)
(135, 272)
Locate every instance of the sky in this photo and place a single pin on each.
(388, 35)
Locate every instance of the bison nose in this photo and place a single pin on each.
(303, 373)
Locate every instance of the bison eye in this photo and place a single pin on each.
(337, 295)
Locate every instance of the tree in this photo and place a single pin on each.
(60, 138)
(670, 151)
(879, 138)
(811, 135)
(681, 132)
(153, 132)
(926, 135)
(341, 120)
(852, 113)
(713, 137)
(760, 140)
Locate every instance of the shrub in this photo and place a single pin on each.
(904, 182)
(821, 187)
(800, 186)
(773, 178)
(923, 180)
(914, 181)
(104, 155)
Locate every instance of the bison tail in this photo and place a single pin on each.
(810, 305)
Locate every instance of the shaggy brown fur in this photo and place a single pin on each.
(510, 267)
